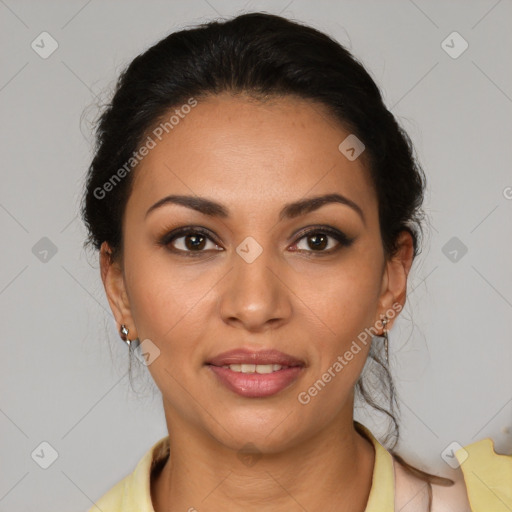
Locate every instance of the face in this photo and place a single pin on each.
(252, 272)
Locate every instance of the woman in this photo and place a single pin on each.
(257, 210)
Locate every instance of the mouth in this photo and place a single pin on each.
(255, 368)
(248, 358)
(255, 374)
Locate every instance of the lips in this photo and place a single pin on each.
(255, 374)
(262, 357)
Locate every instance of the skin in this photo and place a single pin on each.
(254, 157)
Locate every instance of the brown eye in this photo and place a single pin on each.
(318, 241)
(194, 241)
(325, 240)
(189, 241)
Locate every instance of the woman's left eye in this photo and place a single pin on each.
(321, 241)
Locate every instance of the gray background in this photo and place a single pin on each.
(64, 371)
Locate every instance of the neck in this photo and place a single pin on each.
(331, 471)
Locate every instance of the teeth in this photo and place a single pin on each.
(255, 368)
(265, 368)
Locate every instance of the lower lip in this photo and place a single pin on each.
(256, 385)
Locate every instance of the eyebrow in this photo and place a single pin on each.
(289, 211)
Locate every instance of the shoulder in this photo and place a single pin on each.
(483, 482)
(412, 493)
(133, 492)
(112, 501)
(488, 476)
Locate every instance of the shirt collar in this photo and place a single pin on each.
(382, 492)
(137, 489)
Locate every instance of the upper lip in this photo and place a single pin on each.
(245, 356)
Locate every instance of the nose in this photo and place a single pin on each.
(255, 296)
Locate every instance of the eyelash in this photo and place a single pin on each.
(342, 239)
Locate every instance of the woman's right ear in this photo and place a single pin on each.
(115, 289)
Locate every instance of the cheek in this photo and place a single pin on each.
(170, 304)
(344, 297)
(345, 307)
(160, 292)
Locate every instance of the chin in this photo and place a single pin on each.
(269, 430)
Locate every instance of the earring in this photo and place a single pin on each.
(386, 338)
(124, 336)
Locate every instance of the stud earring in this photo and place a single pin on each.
(124, 336)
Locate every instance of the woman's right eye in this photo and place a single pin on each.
(189, 242)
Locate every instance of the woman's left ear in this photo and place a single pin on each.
(394, 280)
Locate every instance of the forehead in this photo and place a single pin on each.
(250, 153)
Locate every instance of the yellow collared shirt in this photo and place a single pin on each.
(487, 476)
